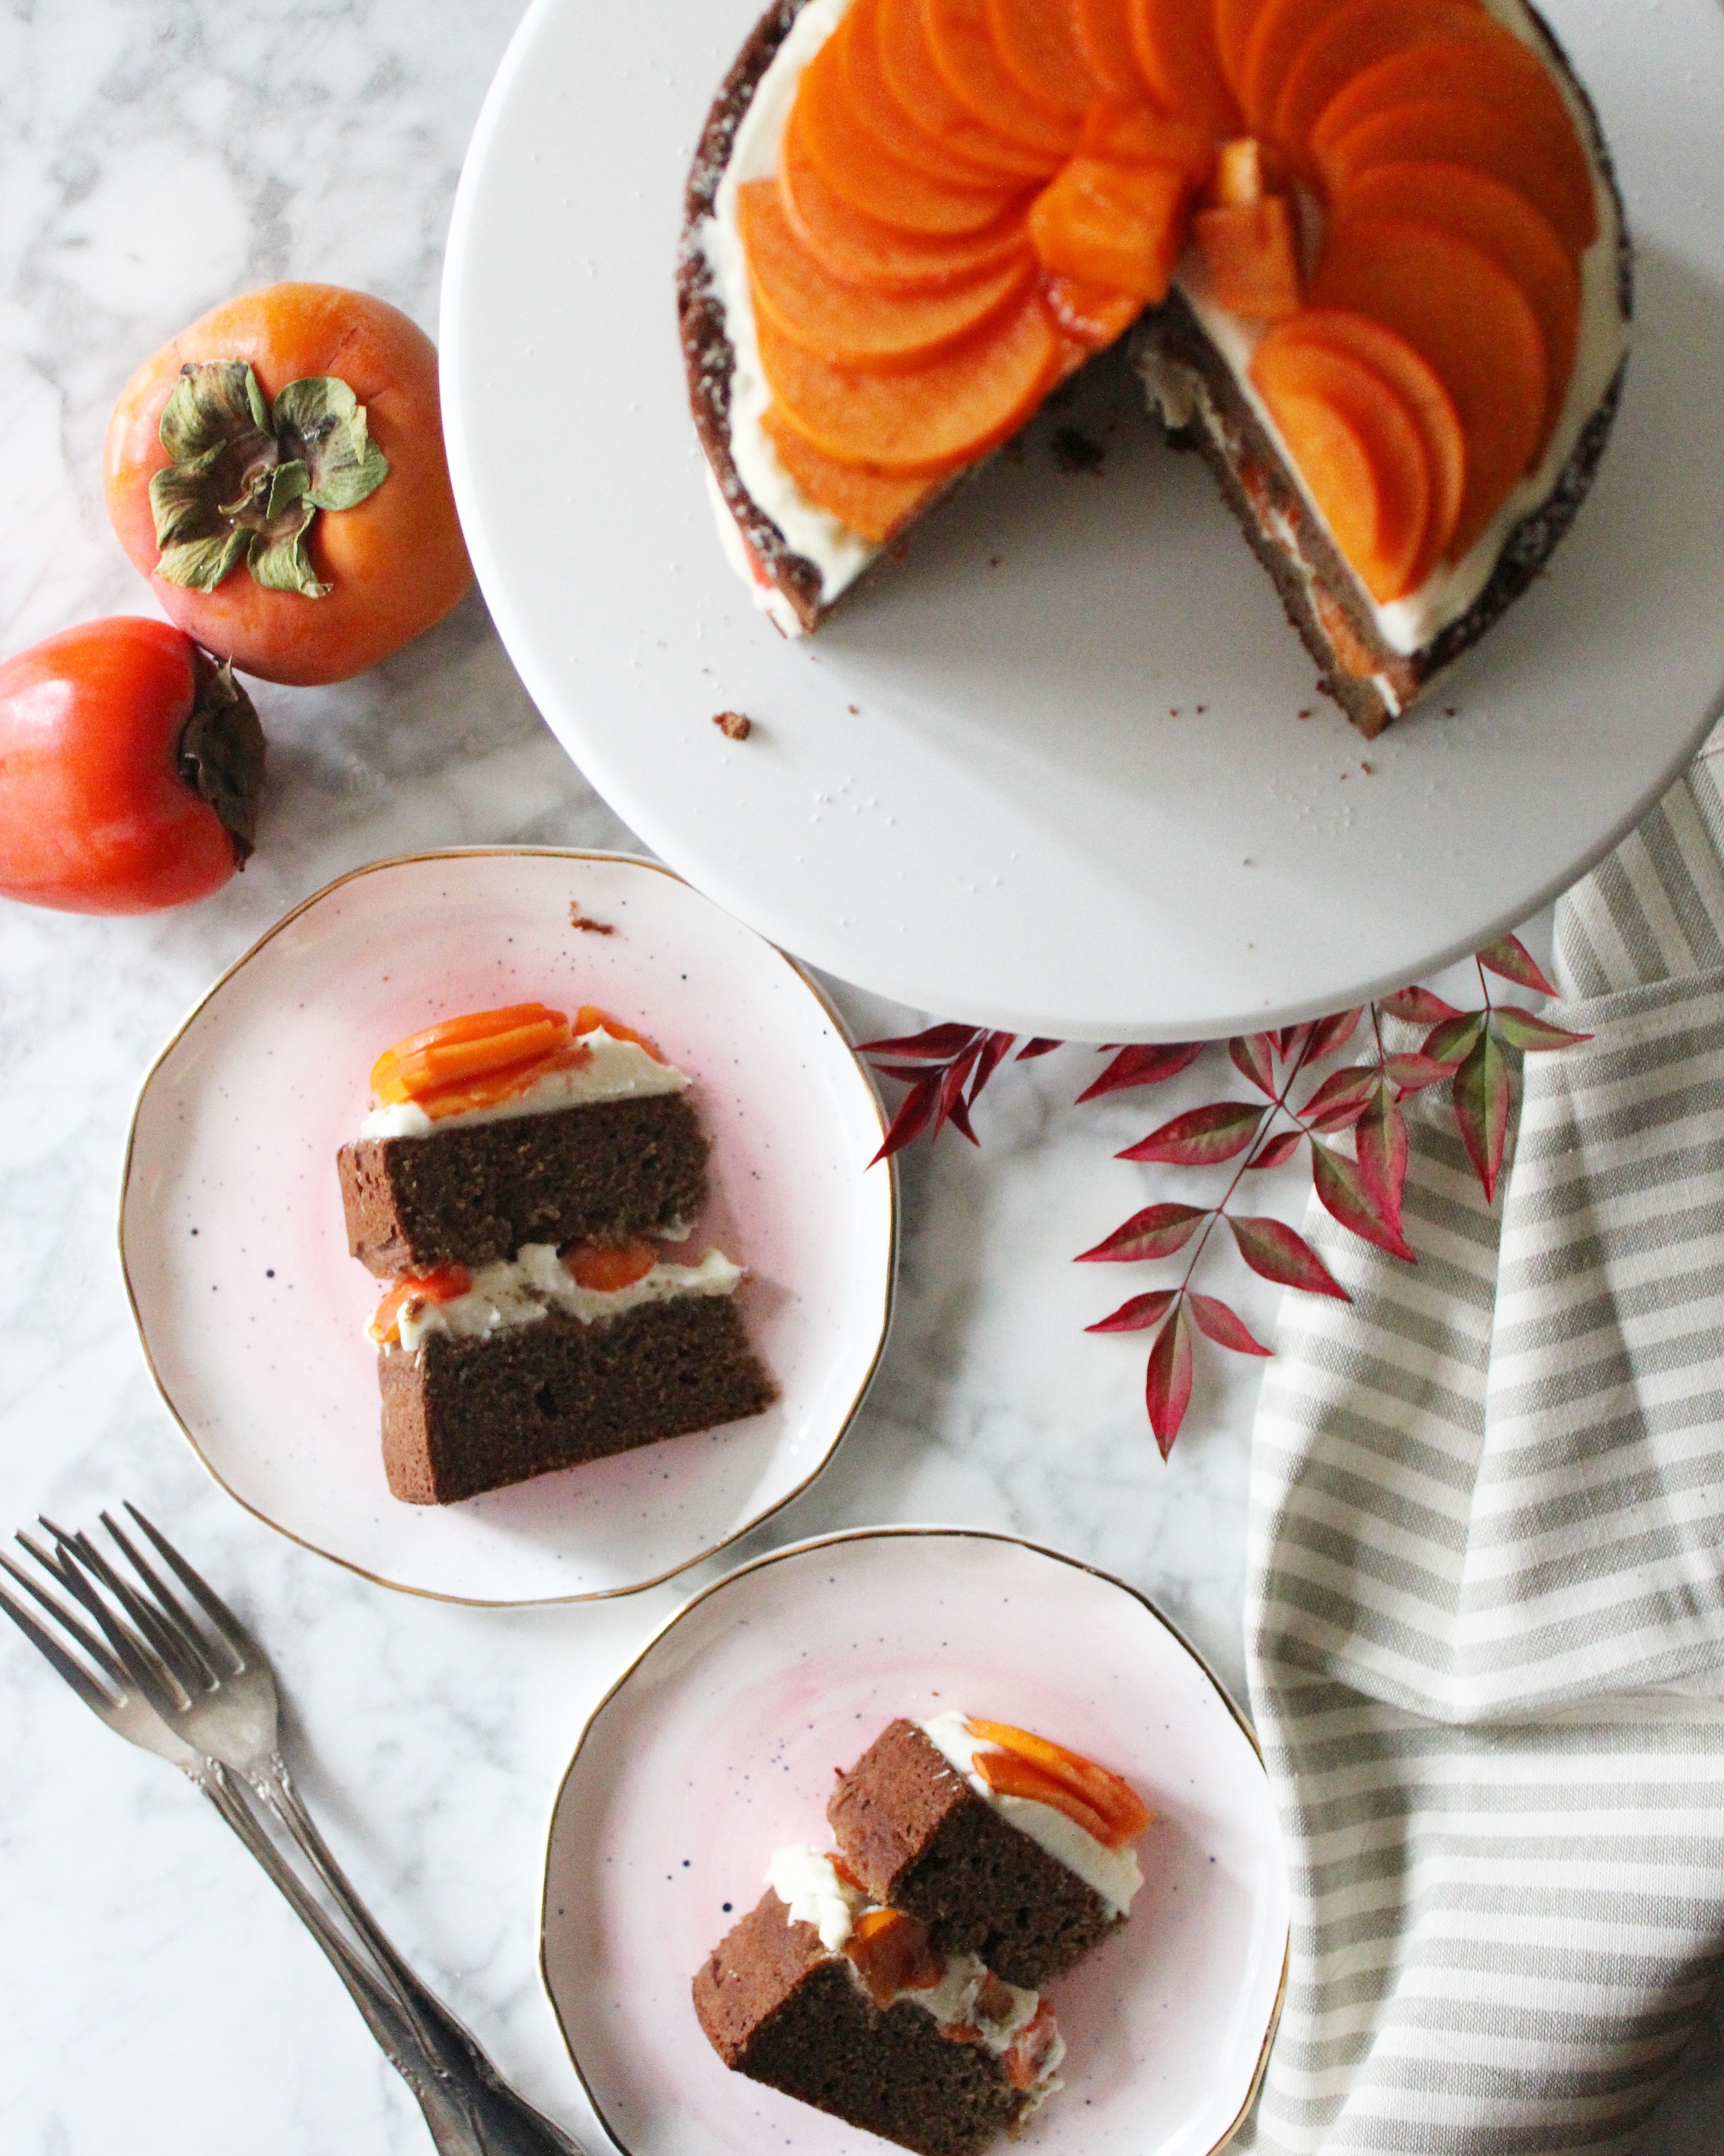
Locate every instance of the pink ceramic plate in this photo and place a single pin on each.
(719, 1744)
(253, 1315)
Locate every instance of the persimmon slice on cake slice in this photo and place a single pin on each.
(1369, 253)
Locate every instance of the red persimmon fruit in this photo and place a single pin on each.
(130, 768)
(278, 473)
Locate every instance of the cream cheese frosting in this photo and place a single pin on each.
(1114, 1874)
(613, 1070)
(528, 1287)
(841, 554)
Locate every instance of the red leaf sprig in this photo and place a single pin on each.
(946, 1068)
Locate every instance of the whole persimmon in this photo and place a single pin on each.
(278, 473)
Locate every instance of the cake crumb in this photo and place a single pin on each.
(1369, 770)
(855, 709)
(1075, 452)
(578, 919)
(1447, 710)
(734, 726)
(1306, 712)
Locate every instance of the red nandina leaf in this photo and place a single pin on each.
(1225, 1327)
(1156, 1232)
(1280, 1148)
(1167, 1385)
(1413, 1073)
(1481, 1109)
(1509, 956)
(907, 1074)
(1271, 1248)
(934, 1045)
(1201, 1137)
(911, 1120)
(1329, 1033)
(1253, 1055)
(994, 1050)
(951, 1096)
(1453, 1041)
(959, 1116)
(1340, 1101)
(1342, 1186)
(1290, 1041)
(1417, 1006)
(1380, 1142)
(1031, 1048)
(1520, 1029)
(1150, 1065)
(1139, 1314)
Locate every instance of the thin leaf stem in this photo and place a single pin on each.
(1278, 1106)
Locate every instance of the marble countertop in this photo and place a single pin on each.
(156, 156)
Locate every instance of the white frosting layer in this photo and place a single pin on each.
(615, 1070)
(522, 1289)
(807, 1883)
(1114, 1874)
(841, 554)
(812, 1891)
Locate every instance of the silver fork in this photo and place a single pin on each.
(212, 1692)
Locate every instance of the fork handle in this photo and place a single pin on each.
(503, 2122)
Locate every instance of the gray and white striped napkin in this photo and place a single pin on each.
(1485, 1620)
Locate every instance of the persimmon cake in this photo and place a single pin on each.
(1373, 249)
(834, 1989)
(522, 1182)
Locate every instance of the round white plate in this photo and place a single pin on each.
(720, 1743)
(1047, 773)
(252, 1314)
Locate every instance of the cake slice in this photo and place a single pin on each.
(823, 1993)
(1380, 240)
(528, 1184)
(1004, 1845)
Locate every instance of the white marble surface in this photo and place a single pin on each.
(155, 156)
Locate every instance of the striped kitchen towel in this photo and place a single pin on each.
(1485, 1616)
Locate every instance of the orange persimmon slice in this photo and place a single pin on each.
(1279, 31)
(1118, 225)
(471, 1046)
(607, 1268)
(860, 250)
(874, 504)
(590, 1019)
(1008, 1774)
(1105, 1792)
(1252, 250)
(1092, 316)
(946, 413)
(963, 50)
(1103, 32)
(1175, 44)
(1246, 170)
(1470, 321)
(907, 62)
(892, 1952)
(861, 170)
(1234, 22)
(1357, 451)
(1037, 44)
(1502, 222)
(1355, 37)
(878, 111)
(1540, 159)
(1429, 404)
(1488, 64)
(848, 324)
(441, 1285)
(1140, 134)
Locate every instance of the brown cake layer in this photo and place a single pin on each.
(776, 2006)
(919, 1838)
(472, 1194)
(460, 1416)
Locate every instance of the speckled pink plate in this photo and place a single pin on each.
(719, 1742)
(252, 1314)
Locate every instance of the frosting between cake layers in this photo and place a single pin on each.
(1406, 624)
(529, 1287)
(808, 1885)
(613, 1070)
(1114, 1874)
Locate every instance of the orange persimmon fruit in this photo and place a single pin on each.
(872, 503)
(877, 110)
(1140, 134)
(1470, 321)
(892, 1952)
(963, 50)
(1118, 225)
(443, 1284)
(1103, 32)
(1488, 64)
(1037, 44)
(1354, 38)
(1278, 32)
(1252, 251)
(590, 1019)
(1105, 1792)
(391, 565)
(947, 412)
(1174, 42)
(607, 1268)
(907, 62)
